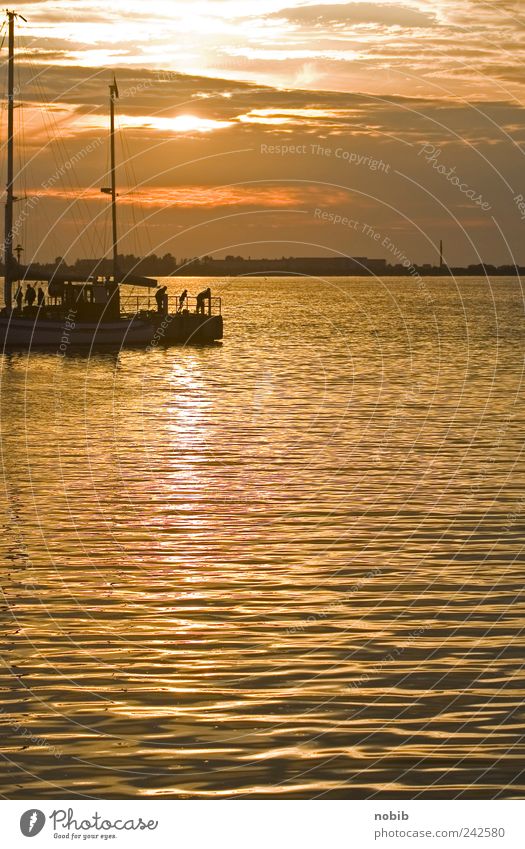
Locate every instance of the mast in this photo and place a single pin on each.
(113, 95)
(10, 198)
(8, 228)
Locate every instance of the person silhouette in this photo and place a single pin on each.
(182, 297)
(162, 299)
(19, 296)
(41, 298)
(30, 295)
(203, 296)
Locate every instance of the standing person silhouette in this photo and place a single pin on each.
(19, 296)
(162, 299)
(41, 298)
(30, 295)
(203, 296)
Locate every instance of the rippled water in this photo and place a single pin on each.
(289, 565)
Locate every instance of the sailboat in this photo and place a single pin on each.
(85, 311)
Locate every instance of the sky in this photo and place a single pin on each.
(273, 128)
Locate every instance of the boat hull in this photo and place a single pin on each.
(29, 332)
(187, 328)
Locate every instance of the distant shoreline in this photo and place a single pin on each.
(451, 273)
(207, 266)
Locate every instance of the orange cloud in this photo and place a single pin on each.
(253, 195)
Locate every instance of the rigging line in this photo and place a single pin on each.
(102, 220)
(26, 164)
(126, 169)
(106, 216)
(3, 29)
(21, 123)
(18, 68)
(80, 210)
(130, 179)
(59, 156)
(105, 219)
(36, 76)
(133, 232)
(137, 212)
(53, 142)
(60, 147)
(3, 163)
(21, 174)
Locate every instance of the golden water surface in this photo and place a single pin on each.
(290, 565)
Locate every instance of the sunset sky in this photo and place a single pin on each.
(405, 117)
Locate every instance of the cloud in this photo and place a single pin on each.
(399, 47)
(372, 79)
(356, 13)
(158, 105)
(257, 195)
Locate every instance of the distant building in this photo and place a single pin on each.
(340, 266)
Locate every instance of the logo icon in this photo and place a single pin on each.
(32, 822)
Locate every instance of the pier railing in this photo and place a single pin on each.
(147, 303)
(137, 303)
(210, 306)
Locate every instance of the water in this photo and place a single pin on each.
(290, 565)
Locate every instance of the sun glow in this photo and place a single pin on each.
(190, 123)
(185, 123)
(178, 124)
